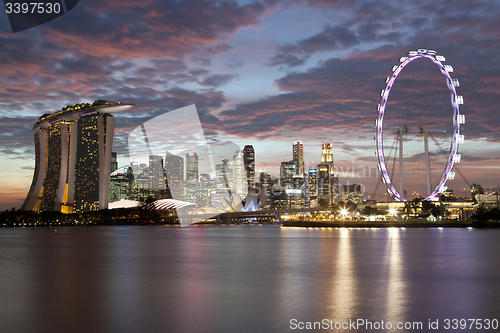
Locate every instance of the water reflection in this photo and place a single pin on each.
(241, 278)
(343, 300)
(396, 298)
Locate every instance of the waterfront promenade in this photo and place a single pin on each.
(389, 224)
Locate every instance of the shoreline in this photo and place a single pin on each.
(408, 224)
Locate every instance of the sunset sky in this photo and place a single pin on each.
(264, 73)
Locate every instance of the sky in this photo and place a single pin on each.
(264, 73)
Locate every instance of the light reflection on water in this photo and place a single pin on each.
(242, 278)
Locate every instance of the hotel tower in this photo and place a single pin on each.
(73, 158)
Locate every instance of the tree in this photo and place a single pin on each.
(323, 203)
(368, 210)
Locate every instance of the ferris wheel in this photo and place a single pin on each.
(419, 122)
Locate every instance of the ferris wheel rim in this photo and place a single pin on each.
(456, 100)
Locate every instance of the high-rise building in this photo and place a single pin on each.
(327, 179)
(287, 171)
(239, 175)
(191, 187)
(298, 157)
(135, 167)
(313, 184)
(156, 177)
(120, 182)
(265, 190)
(174, 170)
(191, 166)
(278, 197)
(327, 153)
(73, 158)
(249, 161)
(114, 162)
(224, 176)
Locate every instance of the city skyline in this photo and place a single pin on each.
(256, 76)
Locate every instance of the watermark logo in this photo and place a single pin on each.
(171, 159)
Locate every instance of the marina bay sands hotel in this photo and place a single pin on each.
(73, 158)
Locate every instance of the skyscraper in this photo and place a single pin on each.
(191, 166)
(265, 189)
(120, 182)
(156, 177)
(174, 170)
(287, 171)
(249, 161)
(73, 158)
(327, 153)
(239, 175)
(191, 188)
(114, 162)
(313, 184)
(327, 180)
(298, 157)
(224, 175)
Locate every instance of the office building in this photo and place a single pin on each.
(249, 161)
(120, 182)
(298, 157)
(156, 178)
(287, 171)
(313, 185)
(191, 167)
(327, 180)
(174, 171)
(239, 175)
(224, 176)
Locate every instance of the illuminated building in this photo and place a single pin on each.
(313, 184)
(120, 182)
(249, 161)
(352, 192)
(73, 158)
(239, 175)
(298, 157)
(156, 178)
(114, 162)
(278, 197)
(327, 153)
(265, 190)
(191, 166)
(191, 189)
(327, 180)
(224, 175)
(287, 171)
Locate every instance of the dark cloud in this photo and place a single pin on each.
(217, 80)
(155, 28)
(161, 55)
(331, 38)
(16, 137)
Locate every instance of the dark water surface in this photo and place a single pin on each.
(244, 278)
